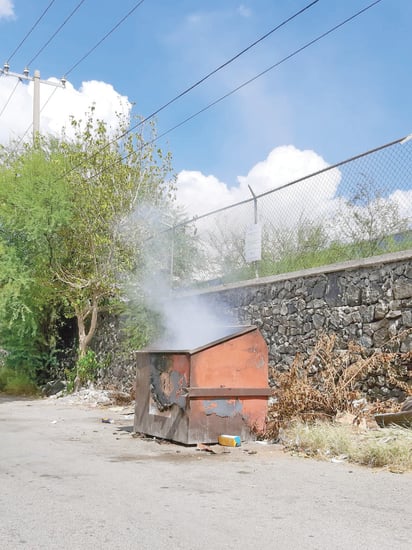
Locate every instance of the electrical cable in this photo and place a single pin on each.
(104, 38)
(116, 26)
(203, 79)
(210, 105)
(30, 31)
(10, 96)
(293, 54)
(228, 62)
(31, 125)
(55, 33)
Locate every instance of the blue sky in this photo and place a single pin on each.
(346, 94)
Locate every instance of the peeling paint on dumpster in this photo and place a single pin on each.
(222, 407)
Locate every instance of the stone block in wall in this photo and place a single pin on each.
(393, 329)
(380, 310)
(406, 344)
(318, 321)
(367, 313)
(394, 314)
(316, 304)
(333, 293)
(319, 289)
(292, 308)
(407, 318)
(371, 328)
(353, 295)
(356, 317)
(380, 337)
(371, 294)
(366, 341)
(402, 289)
(284, 310)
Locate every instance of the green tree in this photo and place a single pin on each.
(33, 209)
(368, 218)
(112, 175)
(64, 209)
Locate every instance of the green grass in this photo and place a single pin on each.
(389, 448)
(13, 382)
(335, 253)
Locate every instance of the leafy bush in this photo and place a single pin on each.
(14, 382)
(85, 371)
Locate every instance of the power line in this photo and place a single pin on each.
(210, 105)
(115, 27)
(104, 38)
(30, 31)
(31, 124)
(275, 65)
(9, 98)
(228, 62)
(55, 33)
(203, 79)
(6, 66)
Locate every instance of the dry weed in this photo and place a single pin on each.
(335, 385)
(380, 448)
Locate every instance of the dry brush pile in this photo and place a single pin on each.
(328, 382)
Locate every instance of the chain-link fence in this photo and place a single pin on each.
(357, 208)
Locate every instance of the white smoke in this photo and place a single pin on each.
(187, 322)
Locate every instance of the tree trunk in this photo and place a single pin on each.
(85, 336)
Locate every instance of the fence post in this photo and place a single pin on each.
(255, 217)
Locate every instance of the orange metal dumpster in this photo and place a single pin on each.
(193, 396)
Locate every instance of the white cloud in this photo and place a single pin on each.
(404, 201)
(200, 194)
(194, 18)
(64, 103)
(244, 11)
(6, 9)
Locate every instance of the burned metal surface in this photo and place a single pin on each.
(193, 396)
(167, 385)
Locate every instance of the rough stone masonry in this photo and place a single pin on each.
(367, 301)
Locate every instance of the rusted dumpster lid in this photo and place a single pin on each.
(228, 333)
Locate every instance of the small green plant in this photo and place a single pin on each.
(70, 379)
(85, 371)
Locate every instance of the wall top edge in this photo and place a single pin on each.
(349, 265)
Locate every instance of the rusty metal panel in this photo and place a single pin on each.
(194, 396)
(228, 392)
(160, 408)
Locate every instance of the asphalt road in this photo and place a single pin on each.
(70, 481)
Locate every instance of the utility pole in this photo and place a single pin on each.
(36, 92)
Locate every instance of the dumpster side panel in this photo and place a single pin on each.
(212, 417)
(240, 364)
(160, 409)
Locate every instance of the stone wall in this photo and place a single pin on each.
(369, 302)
